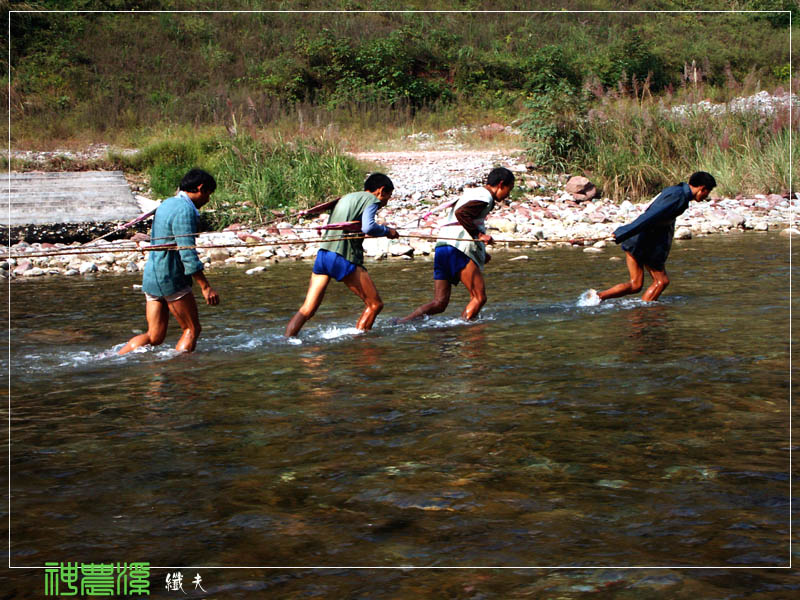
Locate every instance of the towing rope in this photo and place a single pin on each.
(83, 250)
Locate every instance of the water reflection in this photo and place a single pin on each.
(543, 434)
(648, 329)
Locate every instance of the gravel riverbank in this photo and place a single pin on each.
(544, 216)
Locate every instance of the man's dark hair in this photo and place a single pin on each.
(197, 177)
(500, 175)
(703, 179)
(377, 181)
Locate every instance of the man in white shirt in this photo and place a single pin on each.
(460, 250)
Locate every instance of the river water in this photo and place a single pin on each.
(544, 435)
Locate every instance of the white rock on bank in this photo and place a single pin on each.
(87, 267)
(400, 250)
(683, 233)
(255, 270)
(376, 247)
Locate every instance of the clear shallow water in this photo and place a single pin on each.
(546, 434)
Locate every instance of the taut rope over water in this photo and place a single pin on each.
(83, 250)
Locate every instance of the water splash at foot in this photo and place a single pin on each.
(589, 298)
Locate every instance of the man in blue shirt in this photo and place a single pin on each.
(168, 274)
(647, 240)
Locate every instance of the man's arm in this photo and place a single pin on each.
(466, 215)
(184, 228)
(208, 292)
(371, 228)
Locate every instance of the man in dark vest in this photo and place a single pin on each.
(343, 259)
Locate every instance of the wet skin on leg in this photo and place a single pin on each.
(314, 296)
(441, 298)
(185, 312)
(472, 278)
(629, 287)
(660, 283)
(361, 284)
(157, 316)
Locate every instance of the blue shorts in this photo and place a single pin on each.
(448, 262)
(332, 264)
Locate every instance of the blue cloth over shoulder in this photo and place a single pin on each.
(649, 238)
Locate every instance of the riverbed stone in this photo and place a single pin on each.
(683, 233)
(87, 267)
(23, 266)
(735, 219)
(401, 250)
(376, 247)
(33, 272)
(580, 188)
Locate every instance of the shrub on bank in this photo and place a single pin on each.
(635, 146)
(254, 176)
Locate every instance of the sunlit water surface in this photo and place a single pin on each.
(546, 434)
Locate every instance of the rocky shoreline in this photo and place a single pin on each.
(546, 215)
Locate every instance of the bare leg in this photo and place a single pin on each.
(629, 287)
(157, 321)
(185, 312)
(441, 298)
(660, 283)
(360, 283)
(472, 278)
(314, 296)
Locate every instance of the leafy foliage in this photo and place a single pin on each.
(554, 126)
(74, 72)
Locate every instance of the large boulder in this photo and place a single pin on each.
(580, 188)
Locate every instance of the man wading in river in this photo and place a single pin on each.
(460, 252)
(168, 274)
(343, 259)
(647, 241)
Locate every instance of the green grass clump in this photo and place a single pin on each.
(253, 176)
(634, 147)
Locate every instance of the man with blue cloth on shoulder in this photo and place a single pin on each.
(648, 240)
(168, 274)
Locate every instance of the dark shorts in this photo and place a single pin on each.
(448, 262)
(653, 262)
(332, 264)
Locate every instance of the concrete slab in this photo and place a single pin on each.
(37, 198)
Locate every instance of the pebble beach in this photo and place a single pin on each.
(545, 214)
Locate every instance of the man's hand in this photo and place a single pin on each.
(485, 238)
(392, 234)
(211, 296)
(488, 258)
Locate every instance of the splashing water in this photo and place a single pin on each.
(589, 298)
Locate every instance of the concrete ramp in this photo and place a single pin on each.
(62, 198)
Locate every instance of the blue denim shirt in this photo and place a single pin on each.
(649, 237)
(167, 271)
